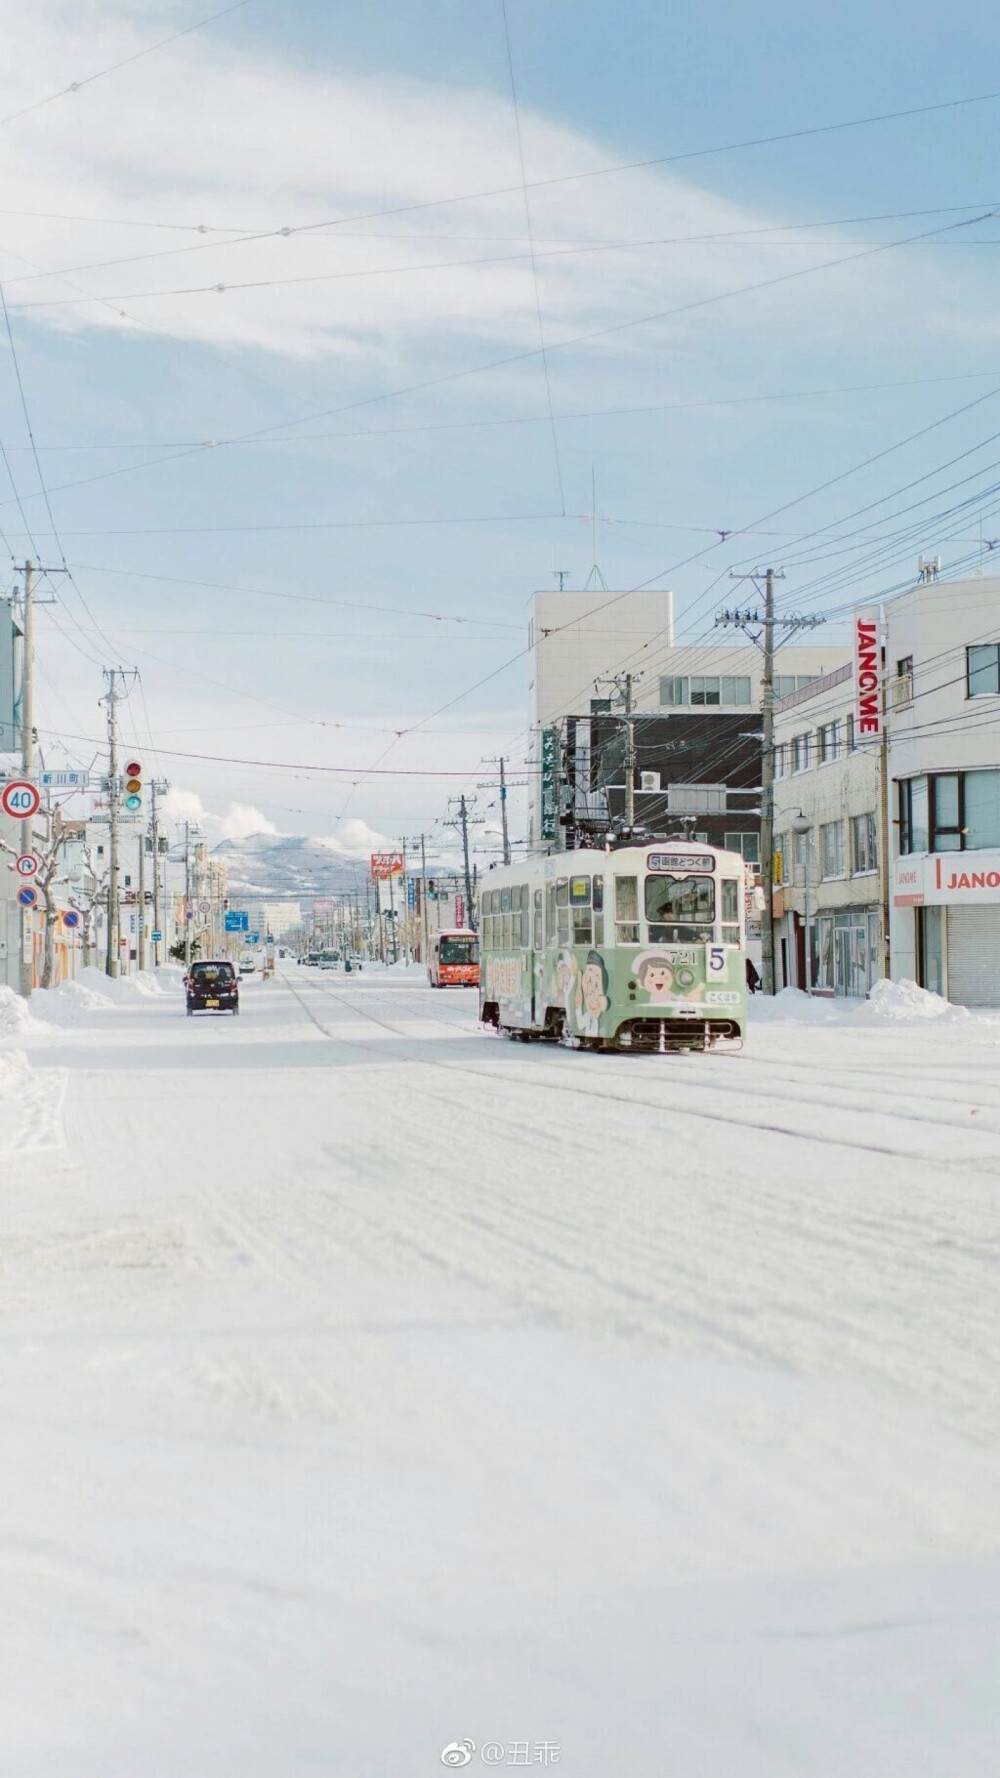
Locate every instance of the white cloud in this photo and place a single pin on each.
(355, 839)
(214, 136)
(242, 820)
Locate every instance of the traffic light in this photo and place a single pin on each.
(431, 891)
(133, 785)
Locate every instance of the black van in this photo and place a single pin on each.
(212, 987)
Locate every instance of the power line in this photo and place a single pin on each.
(77, 86)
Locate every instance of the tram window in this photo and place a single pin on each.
(730, 911)
(598, 892)
(537, 921)
(582, 927)
(680, 910)
(579, 892)
(562, 892)
(505, 900)
(550, 915)
(525, 924)
(627, 910)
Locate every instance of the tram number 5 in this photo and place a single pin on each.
(717, 959)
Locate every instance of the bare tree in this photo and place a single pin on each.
(46, 879)
(86, 898)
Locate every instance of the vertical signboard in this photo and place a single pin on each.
(550, 783)
(10, 638)
(867, 666)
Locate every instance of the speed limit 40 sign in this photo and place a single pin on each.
(20, 800)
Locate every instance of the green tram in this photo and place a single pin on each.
(636, 949)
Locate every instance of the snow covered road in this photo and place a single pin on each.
(371, 1384)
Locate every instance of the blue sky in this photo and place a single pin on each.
(272, 588)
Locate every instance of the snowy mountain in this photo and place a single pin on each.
(270, 867)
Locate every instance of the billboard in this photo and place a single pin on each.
(386, 865)
(867, 674)
(550, 783)
(10, 650)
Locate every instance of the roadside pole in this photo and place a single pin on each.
(140, 911)
(113, 956)
(187, 895)
(883, 838)
(423, 901)
(27, 766)
(154, 828)
(761, 631)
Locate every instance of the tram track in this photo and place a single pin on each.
(527, 1075)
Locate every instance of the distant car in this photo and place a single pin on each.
(329, 959)
(248, 968)
(212, 986)
(311, 959)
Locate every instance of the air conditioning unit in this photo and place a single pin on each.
(649, 780)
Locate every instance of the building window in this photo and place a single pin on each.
(945, 807)
(803, 853)
(864, 843)
(913, 828)
(696, 799)
(983, 670)
(831, 848)
(780, 760)
(736, 690)
(901, 689)
(982, 810)
(746, 844)
(951, 812)
(705, 691)
(830, 739)
(801, 751)
(673, 691)
(784, 685)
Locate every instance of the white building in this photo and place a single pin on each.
(577, 638)
(828, 897)
(943, 660)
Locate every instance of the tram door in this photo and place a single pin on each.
(536, 955)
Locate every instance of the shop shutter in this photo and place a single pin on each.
(974, 956)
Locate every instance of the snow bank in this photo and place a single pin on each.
(15, 1014)
(905, 1002)
(13, 1069)
(126, 989)
(69, 1001)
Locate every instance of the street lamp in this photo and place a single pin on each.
(801, 825)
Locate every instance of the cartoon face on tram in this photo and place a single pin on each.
(636, 949)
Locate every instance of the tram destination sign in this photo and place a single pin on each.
(669, 861)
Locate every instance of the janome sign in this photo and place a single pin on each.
(946, 880)
(867, 674)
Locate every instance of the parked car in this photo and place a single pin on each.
(212, 986)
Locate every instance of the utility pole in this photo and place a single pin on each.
(27, 764)
(463, 816)
(503, 812)
(154, 829)
(140, 907)
(187, 895)
(112, 958)
(423, 901)
(760, 631)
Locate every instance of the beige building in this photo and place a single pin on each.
(828, 914)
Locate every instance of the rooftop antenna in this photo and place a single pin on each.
(560, 574)
(595, 577)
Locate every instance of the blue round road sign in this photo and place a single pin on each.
(27, 896)
(71, 920)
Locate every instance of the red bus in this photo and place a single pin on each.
(453, 959)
